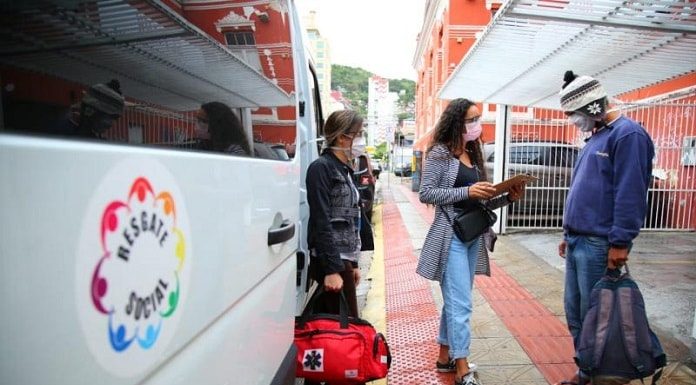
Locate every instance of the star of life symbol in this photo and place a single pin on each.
(594, 108)
(313, 360)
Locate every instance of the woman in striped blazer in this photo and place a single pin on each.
(453, 180)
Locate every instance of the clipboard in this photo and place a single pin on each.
(518, 179)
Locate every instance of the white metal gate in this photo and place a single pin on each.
(545, 145)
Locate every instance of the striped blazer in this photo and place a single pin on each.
(437, 188)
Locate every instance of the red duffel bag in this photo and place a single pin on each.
(338, 348)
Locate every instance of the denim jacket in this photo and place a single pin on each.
(334, 212)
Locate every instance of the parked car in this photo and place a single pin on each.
(551, 162)
(376, 168)
(402, 169)
(365, 181)
(401, 161)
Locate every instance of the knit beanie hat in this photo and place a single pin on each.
(584, 94)
(105, 98)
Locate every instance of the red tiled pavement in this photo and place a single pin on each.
(543, 336)
(412, 319)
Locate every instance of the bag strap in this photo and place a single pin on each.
(656, 376)
(447, 215)
(476, 204)
(309, 310)
(375, 348)
(604, 316)
(628, 327)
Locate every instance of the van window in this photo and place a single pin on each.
(120, 82)
(316, 100)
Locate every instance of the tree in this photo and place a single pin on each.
(403, 116)
(406, 90)
(381, 151)
(353, 83)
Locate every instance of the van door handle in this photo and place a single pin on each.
(281, 234)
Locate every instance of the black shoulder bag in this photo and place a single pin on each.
(471, 224)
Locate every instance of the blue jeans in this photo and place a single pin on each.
(457, 284)
(586, 263)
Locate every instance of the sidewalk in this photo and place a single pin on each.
(518, 327)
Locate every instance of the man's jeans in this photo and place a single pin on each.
(586, 263)
(457, 283)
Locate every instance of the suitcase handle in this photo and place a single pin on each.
(309, 310)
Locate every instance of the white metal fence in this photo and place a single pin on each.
(151, 125)
(546, 146)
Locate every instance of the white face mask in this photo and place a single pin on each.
(473, 131)
(582, 122)
(358, 147)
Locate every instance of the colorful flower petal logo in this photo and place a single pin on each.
(136, 281)
(133, 266)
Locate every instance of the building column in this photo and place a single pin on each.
(503, 128)
(248, 128)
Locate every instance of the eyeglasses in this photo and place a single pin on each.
(472, 120)
(353, 135)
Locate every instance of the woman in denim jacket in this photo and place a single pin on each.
(454, 180)
(334, 214)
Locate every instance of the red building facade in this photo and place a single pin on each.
(450, 29)
(259, 32)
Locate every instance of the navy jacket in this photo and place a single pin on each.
(608, 189)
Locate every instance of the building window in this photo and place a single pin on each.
(240, 38)
(320, 44)
(243, 44)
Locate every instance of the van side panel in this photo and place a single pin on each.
(240, 345)
(236, 303)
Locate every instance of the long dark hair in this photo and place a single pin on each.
(449, 130)
(224, 127)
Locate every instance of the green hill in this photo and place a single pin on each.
(353, 82)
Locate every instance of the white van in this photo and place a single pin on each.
(138, 257)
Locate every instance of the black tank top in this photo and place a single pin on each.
(466, 176)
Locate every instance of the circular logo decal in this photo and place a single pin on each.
(133, 266)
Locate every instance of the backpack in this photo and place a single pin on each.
(616, 339)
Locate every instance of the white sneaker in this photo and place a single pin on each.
(469, 379)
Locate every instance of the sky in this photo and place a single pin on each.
(376, 35)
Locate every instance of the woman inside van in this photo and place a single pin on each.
(218, 129)
(334, 214)
(454, 180)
